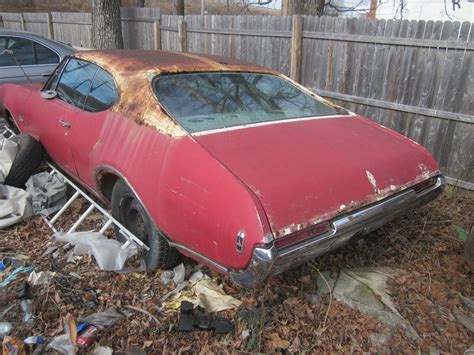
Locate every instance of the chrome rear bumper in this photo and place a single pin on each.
(268, 260)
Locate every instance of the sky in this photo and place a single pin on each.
(415, 9)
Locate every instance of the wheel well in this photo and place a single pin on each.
(9, 120)
(106, 184)
(7, 115)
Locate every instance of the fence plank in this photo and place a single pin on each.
(182, 35)
(138, 27)
(73, 28)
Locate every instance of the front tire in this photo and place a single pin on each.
(128, 210)
(27, 160)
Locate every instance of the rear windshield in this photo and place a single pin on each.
(208, 101)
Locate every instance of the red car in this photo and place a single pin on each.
(232, 164)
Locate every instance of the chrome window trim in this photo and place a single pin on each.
(65, 59)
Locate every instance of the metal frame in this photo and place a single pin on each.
(93, 205)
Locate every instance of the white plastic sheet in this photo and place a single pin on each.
(15, 205)
(8, 151)
(40, 278)
(108, 253)
(366, 289)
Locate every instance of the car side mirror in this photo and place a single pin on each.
(49, 94)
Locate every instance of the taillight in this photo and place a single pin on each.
(425, 184)
(301, 235)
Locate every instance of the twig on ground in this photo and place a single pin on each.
(409, 254)
(330, 297)
(144, 312)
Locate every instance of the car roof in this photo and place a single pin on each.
(61, 48)
(137, 62)
(134, 70)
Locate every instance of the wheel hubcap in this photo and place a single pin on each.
(131, 215)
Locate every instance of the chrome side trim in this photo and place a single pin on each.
(274, 122)
(268, 260)
(216, 265)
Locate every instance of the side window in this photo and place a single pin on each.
(75, 82)
(16, 51)
(6, 60)
(3, 43)
(45, 55)
(103, 93)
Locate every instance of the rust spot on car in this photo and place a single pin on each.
(96, 144)
(372, 181)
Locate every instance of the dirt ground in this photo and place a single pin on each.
(286, 314)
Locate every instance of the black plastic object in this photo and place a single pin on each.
(191, 319)
(22, 291)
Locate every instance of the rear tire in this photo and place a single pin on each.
(27, 161)
(128, 210)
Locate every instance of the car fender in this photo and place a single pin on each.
(193, 199)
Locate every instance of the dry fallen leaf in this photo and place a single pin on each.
(274, 341)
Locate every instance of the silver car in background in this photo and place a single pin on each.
(28, 57)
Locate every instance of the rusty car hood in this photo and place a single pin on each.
(308, 171)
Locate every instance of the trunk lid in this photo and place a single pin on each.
(310, 170)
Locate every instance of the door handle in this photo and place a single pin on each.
(46, 73)
(64, 124)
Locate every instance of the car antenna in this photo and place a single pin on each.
(9, 51)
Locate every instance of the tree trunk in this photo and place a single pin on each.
(304, 7)
(106, 24)
(179, 7)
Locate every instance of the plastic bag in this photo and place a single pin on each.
(66, 343)
(103, 320)
(108, 253)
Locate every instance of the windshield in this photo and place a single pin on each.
(208, 101)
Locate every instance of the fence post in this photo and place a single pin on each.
(49, 21)
(206, 35)
(2, 24)
(22, 22)
(182, 45)
(157, 33)
(296, 39)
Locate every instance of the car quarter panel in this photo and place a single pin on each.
(191, 197)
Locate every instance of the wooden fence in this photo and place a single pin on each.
(138, 26)
(416, 77)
